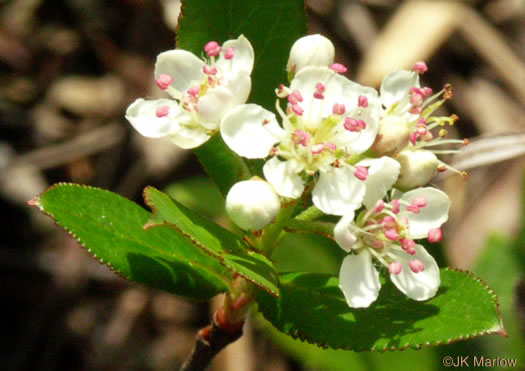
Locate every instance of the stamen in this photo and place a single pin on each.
(391, 234)
(338, 109)
(162, 111)
(297, 110)
(435, 235)
(164, 81)
(339, 68)
(354, 125)
(229, 53)
(420, 67)
(301, 137)
(395, 206)
(380, 204)
(282, 91)
(362, 101)
(395, 268)
(419, 201)
(319, 90)
(317, 148)
(194, 90)
(361, 172)
(416, 265)
(330, 146)
(388, 222)
(413, 209)
(212, 48)
(209, 70)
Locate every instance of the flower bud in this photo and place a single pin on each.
(312, 50)
(417, 168)
(392, 137)
(252, 204)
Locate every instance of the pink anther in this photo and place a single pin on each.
(297, 110)
(416, 265)
(435, 235)
(395, 268)
(338, 109)
(330, 146)
(407, 244)
(162, 111)
(338, 67)
(380, 205)
(420, 67)
(301, 137)
(163, 81)
(362, 101)
(229, 53)
(420, 201)
(317, 148)
(395, 206)
(388, 222)
(212, 48)
(378, 244)
(413, 138)
(391, 234)
(209, 70)
(319, 90)
(194, 90)
(361, 172)
(413, 209)
(427, 91)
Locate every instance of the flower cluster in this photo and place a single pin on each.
(352, 150)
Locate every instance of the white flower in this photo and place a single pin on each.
(406, 122)
(312, 50)
(202, 92)
(328, 121)
(417, 168)
(386, 233)
(252, 204)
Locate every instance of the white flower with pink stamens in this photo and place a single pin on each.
(406, 124)
(328, 121)
(202, 92)
(385, 233)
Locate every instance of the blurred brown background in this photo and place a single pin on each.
(69, 69)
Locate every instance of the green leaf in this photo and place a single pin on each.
(271, 26)
(199, 194)
(111, 228)
(311, 307)
(213, 239)
(500, 266)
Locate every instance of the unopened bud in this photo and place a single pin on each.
(252, 204)
(392, 137)
(312, 50)
(417, 168)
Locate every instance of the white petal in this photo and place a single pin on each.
(342, 234)
(311, 50)
(189, 138)
(242, 59)
(184, 67)
(244, 132)
(283, 176)
(142, 115)
(213, 106)
(431, 216)
(418, 286)
(240, 85)
(359, 280)
(382, 174)
(396, 85)
(338, 192)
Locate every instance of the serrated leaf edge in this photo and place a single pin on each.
(149, 202)
(498, 330)
(35, 203)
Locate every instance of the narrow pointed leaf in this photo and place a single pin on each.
(216, 241)
(110, 227)
(311, 307)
